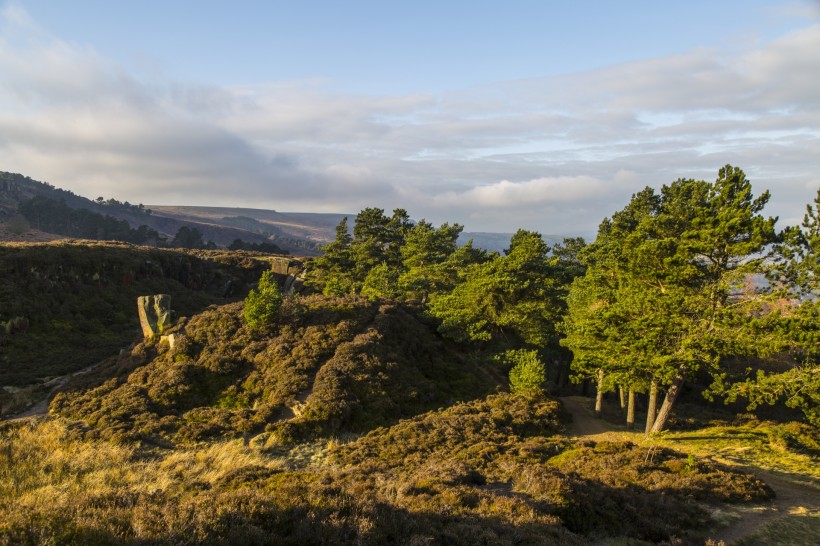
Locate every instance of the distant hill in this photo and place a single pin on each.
(299, 233)
(316, 229)
(498, 241)
(289, 234)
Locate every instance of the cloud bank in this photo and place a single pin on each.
(555, 154)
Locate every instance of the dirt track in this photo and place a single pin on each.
(792, 498)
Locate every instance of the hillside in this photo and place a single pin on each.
(349, 421)
(331, 365)
(316, 227)
(16, 190)
(492, 471)
(75, 302)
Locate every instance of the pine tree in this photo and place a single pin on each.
(659, 283)
(262, 305)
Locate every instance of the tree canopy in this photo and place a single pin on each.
(661, 296)
(669, 290)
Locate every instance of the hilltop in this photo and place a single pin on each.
(331, 365)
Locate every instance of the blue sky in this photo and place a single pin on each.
(498, 115)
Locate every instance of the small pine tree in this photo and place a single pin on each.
(263, 304)
(528, 373)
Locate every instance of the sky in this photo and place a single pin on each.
(498, 115)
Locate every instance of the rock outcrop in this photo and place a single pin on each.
(155, 314)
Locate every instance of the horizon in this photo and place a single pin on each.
(526, 115)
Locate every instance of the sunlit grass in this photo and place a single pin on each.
(476, 467)
(790, 447)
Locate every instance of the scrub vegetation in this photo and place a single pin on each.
(409, 390)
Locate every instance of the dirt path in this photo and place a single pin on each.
(584, 423)
(792, 498)
(41, 407)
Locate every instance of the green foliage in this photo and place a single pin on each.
(806, 247)
(390, 257)
(799, 387)
(190, 237)
(792, 323)
(335, 286)
(658, 300)
(268, 248)
(381, 282)
(377, 239)
(512, 296)
(427, 259)
(263, 304)
(527, 373)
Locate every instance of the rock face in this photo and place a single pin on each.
(155, 313)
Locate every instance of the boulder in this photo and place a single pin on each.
(155, 314)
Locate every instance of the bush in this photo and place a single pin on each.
(262, 305)
(528, 373)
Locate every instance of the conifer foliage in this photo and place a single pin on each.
(528, 373)
(262, 305)
(660, 298)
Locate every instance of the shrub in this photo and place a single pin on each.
(528, 373)
(262, 305)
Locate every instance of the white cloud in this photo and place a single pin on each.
(555, 154)
(540, 191)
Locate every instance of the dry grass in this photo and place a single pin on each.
(493, 471)
(788, 531)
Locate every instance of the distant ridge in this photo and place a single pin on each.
(318, 227)
(300, 233)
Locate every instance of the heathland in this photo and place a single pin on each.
(405, 388)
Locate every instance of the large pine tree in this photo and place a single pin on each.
(663, 284)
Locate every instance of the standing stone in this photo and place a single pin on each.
(155, 313)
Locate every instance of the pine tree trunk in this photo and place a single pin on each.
(630, 412)
(652, 405)
(599, 397)
(622, 395)
(666, 408)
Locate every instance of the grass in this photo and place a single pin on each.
(742, 440)
(787, 448)
(496, 470)
(784, 454)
